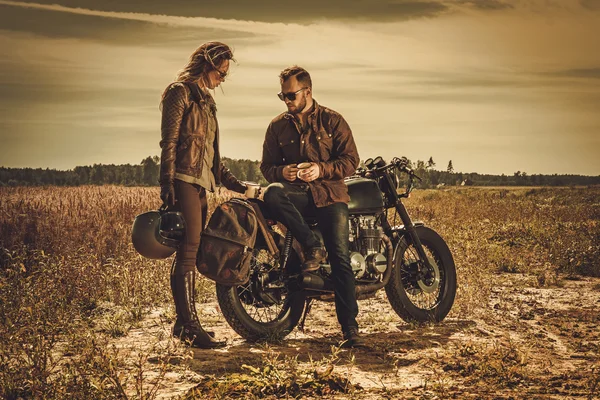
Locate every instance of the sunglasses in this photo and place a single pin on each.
(290, 96)
(222, 74)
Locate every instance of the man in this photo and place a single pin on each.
(310, 135)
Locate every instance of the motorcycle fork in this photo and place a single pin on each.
(413, 236)
(408, 225)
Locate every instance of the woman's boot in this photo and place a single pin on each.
(187, 327)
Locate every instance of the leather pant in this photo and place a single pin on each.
(191, 201)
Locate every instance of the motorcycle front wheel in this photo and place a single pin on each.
(262, 309)
(415, 293)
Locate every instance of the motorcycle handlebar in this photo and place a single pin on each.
(400, 163)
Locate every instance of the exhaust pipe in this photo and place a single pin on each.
(315, 282)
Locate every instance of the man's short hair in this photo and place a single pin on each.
(300, 73)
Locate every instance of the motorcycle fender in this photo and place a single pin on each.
(400, 229)
(398, 232)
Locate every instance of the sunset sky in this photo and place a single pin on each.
(495, 86)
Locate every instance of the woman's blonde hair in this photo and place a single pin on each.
(204, 59)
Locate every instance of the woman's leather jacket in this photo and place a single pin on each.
(183, 131)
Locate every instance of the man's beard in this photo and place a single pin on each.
(301, 106)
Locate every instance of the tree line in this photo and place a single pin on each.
(146, 173)
(432, 177)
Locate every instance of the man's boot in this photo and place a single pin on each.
(352, 338)
(187, 327)
(314, 257)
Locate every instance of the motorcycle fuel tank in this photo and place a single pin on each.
(365, 196)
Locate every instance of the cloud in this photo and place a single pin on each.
(203, 22)
(587, 73)
(486, 4)
(268, 10)
(593, 5)
(310, 11)
(81, 85)
(122, 31)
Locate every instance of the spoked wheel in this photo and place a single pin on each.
(422, 294)
(263, 308)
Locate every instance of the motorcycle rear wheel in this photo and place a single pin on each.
(428, 298)
(257, 313)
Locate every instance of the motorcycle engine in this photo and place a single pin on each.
(365, 243)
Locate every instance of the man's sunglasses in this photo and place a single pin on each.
(290, 96)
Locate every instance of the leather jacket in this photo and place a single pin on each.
(183, 132)
(328, 141)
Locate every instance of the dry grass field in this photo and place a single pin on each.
(83, 316)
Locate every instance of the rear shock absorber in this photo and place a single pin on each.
(287, 249)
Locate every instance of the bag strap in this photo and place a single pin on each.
(262, 223)
(241, 201)
(194, 90)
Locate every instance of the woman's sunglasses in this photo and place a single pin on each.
(290, 96)
(222, 74)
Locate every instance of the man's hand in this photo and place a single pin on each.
(310, 174)
(290, 172)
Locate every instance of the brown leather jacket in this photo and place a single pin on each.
(183, 131)
(328, 142)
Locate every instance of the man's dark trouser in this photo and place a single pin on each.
(288, 203)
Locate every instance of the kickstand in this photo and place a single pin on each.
(306, 311)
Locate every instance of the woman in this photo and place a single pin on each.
(191, 165)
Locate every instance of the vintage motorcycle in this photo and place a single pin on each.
(411, 261)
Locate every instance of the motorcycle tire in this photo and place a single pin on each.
(414, 299)
(247, 319)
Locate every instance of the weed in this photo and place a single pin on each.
(501, 363)
(594, 381)
(66, 260)
(278, 376)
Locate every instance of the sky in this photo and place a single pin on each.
(496, 86)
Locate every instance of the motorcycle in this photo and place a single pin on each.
(410, 261)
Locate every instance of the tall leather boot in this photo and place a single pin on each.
(187, 327)
(178, 322)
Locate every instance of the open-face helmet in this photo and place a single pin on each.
(157, 234)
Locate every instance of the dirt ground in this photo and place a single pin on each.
(529, 342)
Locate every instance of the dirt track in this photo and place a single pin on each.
(529, 342)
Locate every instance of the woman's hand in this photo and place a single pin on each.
(167, 194)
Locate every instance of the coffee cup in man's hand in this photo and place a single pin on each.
(301, 167)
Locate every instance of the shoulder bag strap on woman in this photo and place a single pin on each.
(194, 90)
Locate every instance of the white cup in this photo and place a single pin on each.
(252, 190)
(301, 167)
